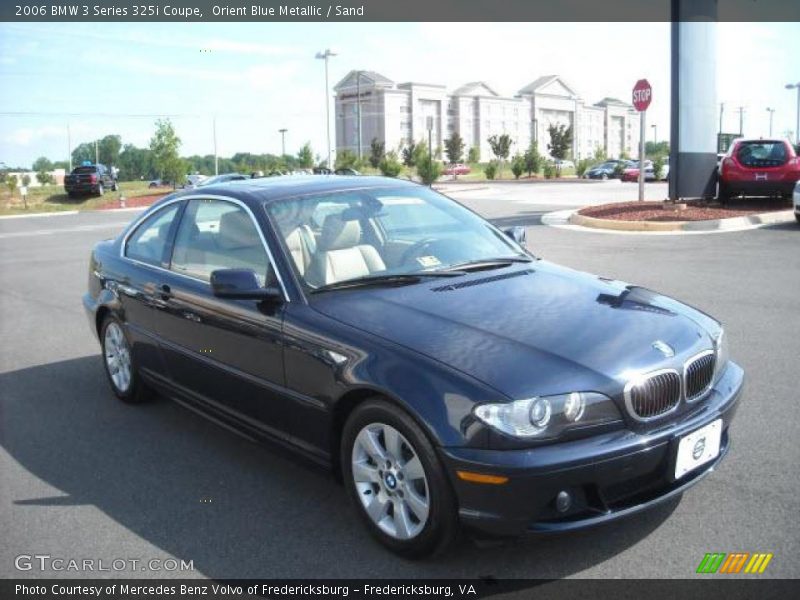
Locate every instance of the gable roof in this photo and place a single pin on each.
(474, 88)
(367, 78)
(538, 84)
(608, 101)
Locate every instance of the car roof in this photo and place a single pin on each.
(268, 189)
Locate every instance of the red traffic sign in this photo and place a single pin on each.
(642, 95)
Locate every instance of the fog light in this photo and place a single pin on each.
(563, 501)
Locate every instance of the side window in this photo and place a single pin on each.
(149, 242)
(215, 234)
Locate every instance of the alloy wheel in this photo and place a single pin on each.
(118, 357)
(390, 481)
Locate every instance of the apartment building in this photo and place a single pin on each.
(399, 113)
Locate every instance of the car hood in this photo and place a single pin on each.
(530, 329)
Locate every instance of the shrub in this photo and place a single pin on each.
(518, 165)
(582, 166)
(490, 170)
(428, 170)
(390, 165)
(658, 167)
(474, 154)
(549, 169)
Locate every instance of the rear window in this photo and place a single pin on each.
(85, 170)
(762, 154)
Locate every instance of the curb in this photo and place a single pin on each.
(747, 221)
(54, 213)
(476, 188)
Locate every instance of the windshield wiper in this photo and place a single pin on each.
(482, 264)
(387, 279)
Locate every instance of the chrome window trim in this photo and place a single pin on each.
(645, 377)
(686, 364)
(147, 214)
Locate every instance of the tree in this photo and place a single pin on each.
(108, 149)
(137, 163)
(83, 153)
(305, 157)
(26, 180)
(501, 148)
(377, 150)
(345, 159)
(44, 178)
(560, 143)
(658, 167)
(600, 154)
(518, 165)
(390, 165)
(474, 154)
(582, 166)
(533, 160)
(428, 170)
(164, 148)
(454, 148)
(408, 154)
(11, 183)
(42, 164)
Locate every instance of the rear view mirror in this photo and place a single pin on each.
(518, 234)
(241, 284)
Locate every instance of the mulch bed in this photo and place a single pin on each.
(694, 211)
(136, 201)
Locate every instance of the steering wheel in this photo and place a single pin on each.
(416, 249)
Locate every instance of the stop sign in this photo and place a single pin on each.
(642, 95)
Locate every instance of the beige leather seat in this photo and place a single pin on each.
(340, 255)
(302, 246)
(239, 245)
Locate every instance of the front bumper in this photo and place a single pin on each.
(608, 476)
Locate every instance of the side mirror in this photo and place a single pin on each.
(518, 234)
(241, 284)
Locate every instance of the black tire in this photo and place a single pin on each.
(137, 391)
(72, 195)
(441, 525)
(797, 217)
(724, 194)
(114, 187)
(100, 190)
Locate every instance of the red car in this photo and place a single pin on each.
(758, 168)
(632, 173)
(457, 169)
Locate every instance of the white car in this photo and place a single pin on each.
(796, 201)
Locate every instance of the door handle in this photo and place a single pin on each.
(165, 292)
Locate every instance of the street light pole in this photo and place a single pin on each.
(358, 109)
(741, 120)
(216, 156)
(655, 133)
(771, 112)
(325, 56)
(283, 141)
(791, 86)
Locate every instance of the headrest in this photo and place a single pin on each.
(338, 233)
(236, 230)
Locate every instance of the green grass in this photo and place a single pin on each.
(52, 198)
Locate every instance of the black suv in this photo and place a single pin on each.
(89, 179)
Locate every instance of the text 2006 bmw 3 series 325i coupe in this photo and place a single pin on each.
(444, 372)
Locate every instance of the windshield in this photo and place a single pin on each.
(387, 231)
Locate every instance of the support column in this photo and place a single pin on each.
(693, 143)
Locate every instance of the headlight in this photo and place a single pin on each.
(721, 348)
(548, 416)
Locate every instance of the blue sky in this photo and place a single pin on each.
(259, 77)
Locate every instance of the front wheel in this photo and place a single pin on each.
(797, 217)
(119, 365)
(100, 190)
(114, 187)
(396, 481)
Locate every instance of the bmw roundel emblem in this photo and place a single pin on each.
(664, 348)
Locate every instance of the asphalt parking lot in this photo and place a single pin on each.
(84, 476)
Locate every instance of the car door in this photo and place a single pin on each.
(146, 250)
(223, 353)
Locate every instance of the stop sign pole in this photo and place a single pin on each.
(642, 96)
